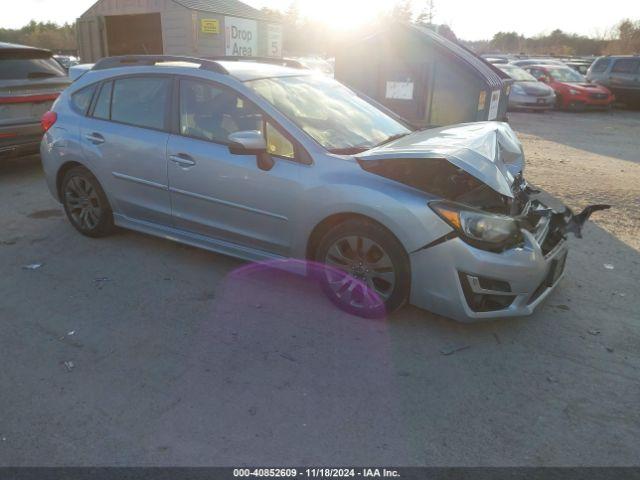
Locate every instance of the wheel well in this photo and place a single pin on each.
(61, 173)
(331, 221)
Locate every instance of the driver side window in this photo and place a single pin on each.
(209, 112)
(213, 113)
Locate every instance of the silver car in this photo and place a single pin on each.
(268, 163)
(525, 62)
(526, 92)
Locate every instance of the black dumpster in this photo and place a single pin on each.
(424, 77)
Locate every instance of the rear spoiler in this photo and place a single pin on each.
(77, 71)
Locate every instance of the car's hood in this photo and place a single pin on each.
(534, 87)
(587, 87)
(490, 151)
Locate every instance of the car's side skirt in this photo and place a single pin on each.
(195, 239)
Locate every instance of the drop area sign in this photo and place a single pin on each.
(241, 37)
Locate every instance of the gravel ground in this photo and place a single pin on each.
(134, 350)
(589, 158)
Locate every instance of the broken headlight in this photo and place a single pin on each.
(487, 231)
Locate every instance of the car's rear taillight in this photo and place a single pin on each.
(48, 119)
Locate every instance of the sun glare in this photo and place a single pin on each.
(343, 14)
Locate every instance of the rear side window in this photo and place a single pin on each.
(103, 103)
(626, 65)
(81, 100)
(600, 65)
(19, 67)
(141, 101)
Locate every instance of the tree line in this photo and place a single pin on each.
(624, 38)
(58, 38)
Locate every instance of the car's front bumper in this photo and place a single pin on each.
(452, 277)
(587, 102)
(531, 102)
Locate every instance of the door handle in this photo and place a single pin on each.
(95, 138)
(182, 159)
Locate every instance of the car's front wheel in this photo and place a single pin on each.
(85, 203)
(366, 270)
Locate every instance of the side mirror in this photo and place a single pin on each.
(248, 142)
(543, 79)
(251, 142)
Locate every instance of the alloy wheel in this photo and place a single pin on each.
(83, 203)
(363, 274)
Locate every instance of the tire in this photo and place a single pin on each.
(365, 269)
(86, 204)
(578, 107)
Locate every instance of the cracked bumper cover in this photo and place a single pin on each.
(525, 275)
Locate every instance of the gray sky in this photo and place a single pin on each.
(470, 19)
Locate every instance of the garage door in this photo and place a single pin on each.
(134, 34)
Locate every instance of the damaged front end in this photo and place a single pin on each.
(548, 224)
(476, 173)
(473, 177)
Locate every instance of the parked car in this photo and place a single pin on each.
(76, 71)
(526, 92)
(620, 74)
(66, 61)
(579, 66)
(265, 162)
(536, 61)
(573, 92)
(30, 80)
(496, 60)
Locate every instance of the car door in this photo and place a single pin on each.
(625, 74)
(125, 139)
(224, 195)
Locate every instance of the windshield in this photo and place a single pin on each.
(332, 114)
(565, 75)
(517, 73)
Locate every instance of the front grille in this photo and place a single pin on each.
(598, 96)
(541, 94)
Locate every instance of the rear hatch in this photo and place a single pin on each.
(30, 80)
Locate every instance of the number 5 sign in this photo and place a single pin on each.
(274, 40)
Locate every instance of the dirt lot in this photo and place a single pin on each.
(134, 350)
(589, 158)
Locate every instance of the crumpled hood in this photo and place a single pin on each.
(489, 151)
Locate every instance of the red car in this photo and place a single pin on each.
(573, 92)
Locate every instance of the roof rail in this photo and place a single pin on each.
(146, 60)
(285, 62)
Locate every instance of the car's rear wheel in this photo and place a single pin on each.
(367, 271)
(86, 204)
